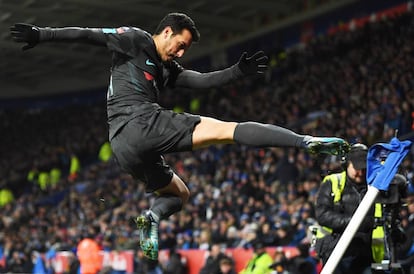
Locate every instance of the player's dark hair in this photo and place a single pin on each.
(178, 22)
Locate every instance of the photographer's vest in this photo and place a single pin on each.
(338, 184)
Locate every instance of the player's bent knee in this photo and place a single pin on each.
(180, 188)
(186, 196)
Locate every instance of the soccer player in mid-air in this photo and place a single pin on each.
(141, 131)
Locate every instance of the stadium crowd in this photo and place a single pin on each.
(358, 85)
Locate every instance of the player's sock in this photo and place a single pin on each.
(266, 135)
(164, 206)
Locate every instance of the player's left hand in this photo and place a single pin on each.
(25, 33)
(257, 63)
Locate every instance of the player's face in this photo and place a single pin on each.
(175, 45)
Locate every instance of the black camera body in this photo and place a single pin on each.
(397, 191)
(391, 201)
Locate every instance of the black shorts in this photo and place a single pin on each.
(139, 145)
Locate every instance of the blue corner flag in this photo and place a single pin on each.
(39, 266)
(383, 160)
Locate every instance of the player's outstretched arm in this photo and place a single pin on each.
(246, 66)
(32, 35)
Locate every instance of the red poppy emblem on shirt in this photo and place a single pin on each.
(120, 30)
(148, 76)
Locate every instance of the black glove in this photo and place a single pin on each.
(25, 33)
(257, 63)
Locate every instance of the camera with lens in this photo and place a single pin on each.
(391, 202)
(397, 191)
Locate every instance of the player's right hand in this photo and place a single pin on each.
(25, 33)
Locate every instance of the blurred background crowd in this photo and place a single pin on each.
(59, 183)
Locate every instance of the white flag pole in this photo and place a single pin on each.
(350, 230)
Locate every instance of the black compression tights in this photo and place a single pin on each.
(266, 135)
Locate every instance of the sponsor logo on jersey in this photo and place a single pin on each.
(106, 30)
(149, 63)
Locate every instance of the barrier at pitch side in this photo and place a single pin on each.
(120, 260)
(195, 258)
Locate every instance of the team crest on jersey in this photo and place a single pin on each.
(152, 80)
(121, 30)
(148, 76)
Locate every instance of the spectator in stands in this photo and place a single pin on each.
(280, 262)
(144, 266)
(6, 196)
(176, 264)
(267, 235)
(303, 263)
(261, 261)
(226, 266)
(105, 152)
(89, 257)
(212, 261)
(19, 263)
